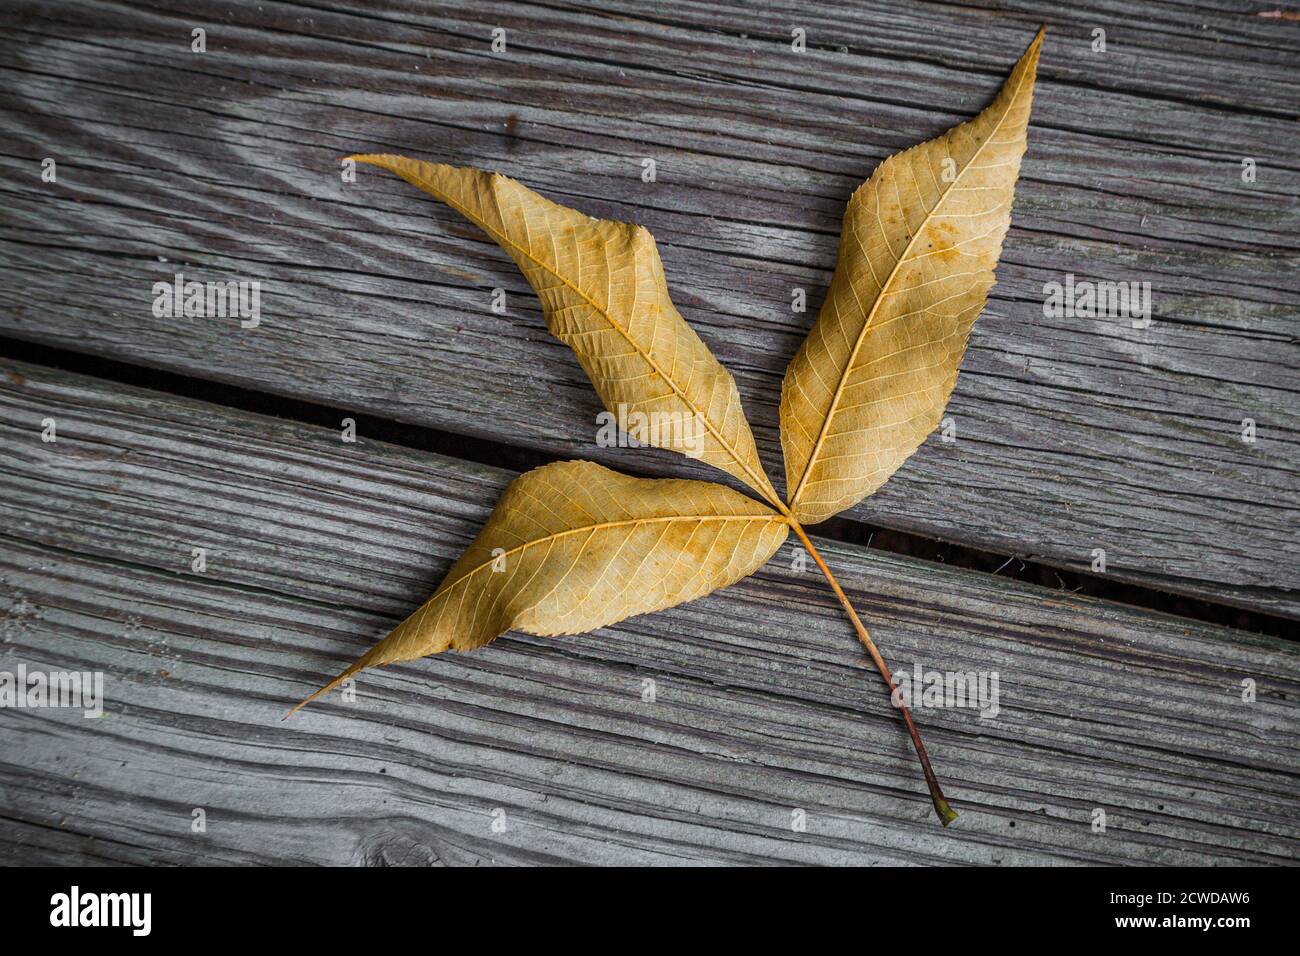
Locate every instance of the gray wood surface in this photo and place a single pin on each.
(765, 704)
(1072, 434)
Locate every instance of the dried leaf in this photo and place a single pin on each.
(604, 295)
(920, 241)
(573, 546)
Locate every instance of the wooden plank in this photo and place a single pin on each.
(764, 704)
(1071, 435)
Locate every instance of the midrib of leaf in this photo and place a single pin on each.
(760, 480)
(880, 296)
(591, 529)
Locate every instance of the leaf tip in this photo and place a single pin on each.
(359, 665)
(371, 159)
(299, 706)
(1035, 47)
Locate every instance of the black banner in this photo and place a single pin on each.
(1221, 906)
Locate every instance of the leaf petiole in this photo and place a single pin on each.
(946, 813)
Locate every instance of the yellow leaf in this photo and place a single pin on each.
(602, 288)
(920, 241)
(573, 546)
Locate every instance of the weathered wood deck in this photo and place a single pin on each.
(1072, 434)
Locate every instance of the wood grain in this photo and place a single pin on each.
(764, 704)
(1071, 434)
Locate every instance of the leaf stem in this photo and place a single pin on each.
(946, 813)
